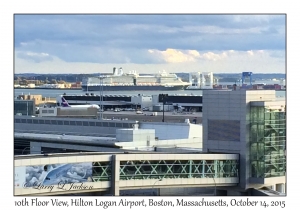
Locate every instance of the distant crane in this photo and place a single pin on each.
(246, 75)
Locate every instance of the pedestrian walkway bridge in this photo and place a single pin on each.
(94, 172)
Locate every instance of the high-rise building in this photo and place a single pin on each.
(251, 123)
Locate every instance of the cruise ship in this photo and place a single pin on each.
(132, 81)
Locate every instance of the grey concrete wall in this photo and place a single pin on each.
(226, 105)
(168, 130)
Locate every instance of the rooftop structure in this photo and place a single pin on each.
(127, 135)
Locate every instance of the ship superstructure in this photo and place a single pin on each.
(120, 81)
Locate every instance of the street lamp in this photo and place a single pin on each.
(215, 191)
(164, 96)
(101, 96)
(87, 84)
(156, 182)
(25, 149)
(31, 152)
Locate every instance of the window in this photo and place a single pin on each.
(127, 125)
(111, 124)
(24, 107)
(119, 125)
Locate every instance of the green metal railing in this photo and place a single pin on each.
(167, 169)
(101, 171)
(162, 169)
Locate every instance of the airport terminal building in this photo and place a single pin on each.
(249, 123)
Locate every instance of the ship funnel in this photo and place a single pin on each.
(120, 71)
(114, 70)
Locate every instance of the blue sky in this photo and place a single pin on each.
(149, 43)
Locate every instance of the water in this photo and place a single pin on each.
(54, 93)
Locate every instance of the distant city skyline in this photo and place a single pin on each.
(150, 43)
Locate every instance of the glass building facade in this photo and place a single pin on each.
(268, 142)
(24, 107)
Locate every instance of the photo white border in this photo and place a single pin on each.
(8, 8)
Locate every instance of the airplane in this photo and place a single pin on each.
(54, 176)
(64, 103)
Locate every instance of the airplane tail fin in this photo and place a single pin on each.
(64, 102)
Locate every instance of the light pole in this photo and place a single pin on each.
(87, 84)
(164, 96)
(156, 182)
(25, 149)
(101, 96)
(163, 110)
(27, 107)
(215, 191)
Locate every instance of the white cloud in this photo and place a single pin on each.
(175, 56)
(231, 61)
(185, 56)
(250, 52)
(218, 43)
(33, 56)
